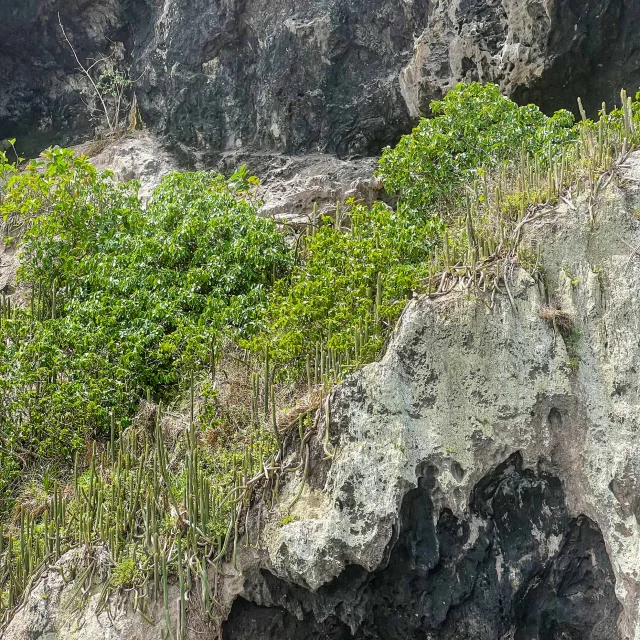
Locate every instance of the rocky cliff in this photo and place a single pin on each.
(337, 76)
(484, 481)
(485, 473)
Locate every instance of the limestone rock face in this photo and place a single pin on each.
(134, 157)
(59, 609)
(292, 187)
(486, 471)
(331, 76)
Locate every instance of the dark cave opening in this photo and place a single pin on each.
(518, 565)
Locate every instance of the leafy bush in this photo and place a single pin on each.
(332, 292)
(123, 299)
(474, 126)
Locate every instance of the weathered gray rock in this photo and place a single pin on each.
(137, 156)
(59, 609)
(292, 187)
(331, 76)
(485, 480)
(527, 466)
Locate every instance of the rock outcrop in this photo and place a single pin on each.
(331, 76)
(486, 471)
(292, 187)
(486, 475)
(139, 156)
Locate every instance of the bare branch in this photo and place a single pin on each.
(86, 72)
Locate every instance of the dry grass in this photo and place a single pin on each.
(33, 498)
(558, 318)
(222, 406)
(98, 145)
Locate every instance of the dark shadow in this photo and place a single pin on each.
(518, 564)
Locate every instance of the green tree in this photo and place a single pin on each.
(123, 299)
(473, 127)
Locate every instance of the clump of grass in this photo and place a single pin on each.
(559, 319)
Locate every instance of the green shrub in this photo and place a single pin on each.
(124, 299)
(332, 292)
(474, 126)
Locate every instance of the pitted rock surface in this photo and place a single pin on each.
(517, 566)
(344, 77)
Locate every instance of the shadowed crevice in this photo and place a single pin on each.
(518, 564)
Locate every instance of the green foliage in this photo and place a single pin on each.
(7, 169)
(572, 339)
(333, 290)
(474, 126)
(124, 299)
(112, 83)
(124, 573)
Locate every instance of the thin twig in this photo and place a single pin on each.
(86, 73)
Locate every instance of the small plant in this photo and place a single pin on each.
(563, 323)
(288, 519)
(598, 272)
(559, 319)
(573, 364)
(109, 85)
(124, 573)
(572, 343)
(573, 279)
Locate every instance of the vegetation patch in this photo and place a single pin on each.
(474, 128)
(559, 319)
(124, 301)
(164, 359)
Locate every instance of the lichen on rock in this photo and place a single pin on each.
(528, 462)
